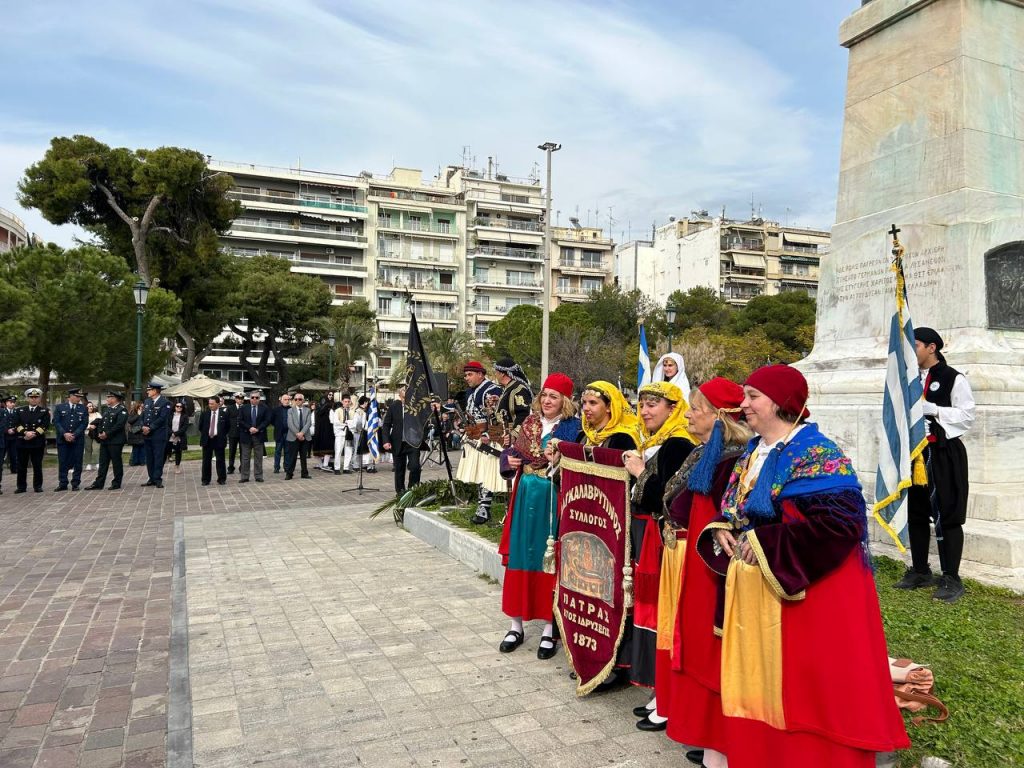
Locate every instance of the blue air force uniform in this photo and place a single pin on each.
(69, 422)
(156, 420)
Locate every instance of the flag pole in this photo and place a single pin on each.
(435, 412)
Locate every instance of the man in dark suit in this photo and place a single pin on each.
(253, 420)
(300, 422)
(404, 454)
(231, 408)
(69, 421)
(8, 437)
(280, 421)
(30, 423)
(112, 437)
(214, 425)
(156, 419)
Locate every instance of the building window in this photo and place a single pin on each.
(480, 274)
(444, 225)
(383, 306)
(590, 284)
(520, 278)
(563, 284)
(483, 303)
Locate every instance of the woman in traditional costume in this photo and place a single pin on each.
(688, 676)
(665, 444)
(323, 431)
(531, 524)
(670, 368)
(805, 677)
(608, 418)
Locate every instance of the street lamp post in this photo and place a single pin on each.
(548, 147)
(141, 291)
(330, 361)
(670, 315)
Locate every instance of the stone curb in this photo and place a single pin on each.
(179, 705)
(479, 554)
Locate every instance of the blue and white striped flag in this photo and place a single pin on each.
(643, 368)
(373, 425)
(903, 439)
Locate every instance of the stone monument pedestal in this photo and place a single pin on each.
(933, 141)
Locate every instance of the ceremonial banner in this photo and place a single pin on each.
(593, 532)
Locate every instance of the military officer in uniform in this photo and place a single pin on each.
(156, 419)
(112, 438)
(8, 437)
(30, 424)
(70, 420)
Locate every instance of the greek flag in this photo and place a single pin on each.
(643, 368)
(373, 426)
(903, 438)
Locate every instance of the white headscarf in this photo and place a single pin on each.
(679, 379)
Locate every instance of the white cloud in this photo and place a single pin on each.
(654, 118)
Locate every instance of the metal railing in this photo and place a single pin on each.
(434, 227)
(402, 284)
(419, 197)
(339, 178)
(580, 236)
(530, 284)
(504, 197)
(506, 253)
(297, 201)
(597, 264)
(523, 226)
(742, 245)
(297, 232)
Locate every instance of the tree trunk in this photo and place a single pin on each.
(44, 383)
(189, 366)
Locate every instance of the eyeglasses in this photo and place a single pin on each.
(31, 396)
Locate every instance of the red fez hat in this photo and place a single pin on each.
(785, 385)
(560, 383)
(474, 366)
(724, 395)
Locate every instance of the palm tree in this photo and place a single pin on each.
(353, 340)
(448, 350)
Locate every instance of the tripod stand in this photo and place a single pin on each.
(360, 487)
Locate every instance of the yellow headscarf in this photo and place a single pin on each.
(622, 417)
(675, 424)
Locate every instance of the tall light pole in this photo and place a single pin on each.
(141, 291)
(548, 147)
(670, 315)
(330, 362)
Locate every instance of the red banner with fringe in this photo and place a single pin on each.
(591, 598)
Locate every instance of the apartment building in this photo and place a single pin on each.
(12, 231)
(581, 262)
(461, 249)
(739, 259)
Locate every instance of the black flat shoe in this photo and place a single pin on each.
(696, 756)
(547, 648)
(647, 725)
(507, 645)
(641, 711)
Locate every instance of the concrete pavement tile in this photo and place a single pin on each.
(58, 757)
(101, 758)
(26, 736)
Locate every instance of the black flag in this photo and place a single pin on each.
(418, 381)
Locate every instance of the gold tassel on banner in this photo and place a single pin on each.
(919, 472)
(627, 585)
(549, 556)
(548, 564)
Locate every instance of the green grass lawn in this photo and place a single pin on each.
(976, 649)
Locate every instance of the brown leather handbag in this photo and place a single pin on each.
(913, 686)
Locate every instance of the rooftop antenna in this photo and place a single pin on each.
(751, 206)
(611, 222)
(490, 167)
(558, 218)
(787, 215)
(467, 153)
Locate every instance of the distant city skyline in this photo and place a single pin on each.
(661, 107)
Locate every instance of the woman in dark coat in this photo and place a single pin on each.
(135, 437)
(323, 431)
(178, 440)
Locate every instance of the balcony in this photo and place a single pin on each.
(515, 254)
(738, 244)
(420, 227)
(418, 197)
(581, 236)
(500, 310)
(432, 315)
(294, 232)
(298, 202)
(402, 284)
(583, 265)
(302, 260)
(527, 285)
(520, 226)
(433, 258)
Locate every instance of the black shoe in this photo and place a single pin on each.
(641, 711)
(206, 482)
(371, 470)
(289, 476)
(547, 648)
(696, 756)
(616, 679)
(231, 470)
(38, 490)
(74, 487)
(158, 484)
(507, 646)
(277, 471)
(950, 589)
(338, 472)
(147, 483)
(244, 480)
(94, 487)
(345, 471)
(482, 516)
(307, 476)
(114, 487)
(222, 482)
(60, 488)
(914, 580)
(20, 490)
(647, 725)
(259, 479)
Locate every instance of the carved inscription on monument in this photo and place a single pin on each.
(1004, 286)
(867, 276)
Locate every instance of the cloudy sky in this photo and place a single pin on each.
(662, 106)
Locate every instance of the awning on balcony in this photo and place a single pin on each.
(748, 261)
(790, 237)
(328, 218)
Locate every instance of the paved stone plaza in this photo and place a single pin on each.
(313, 636)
